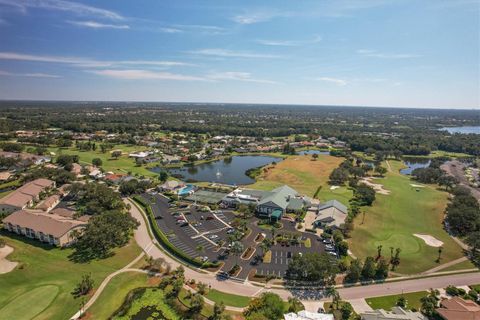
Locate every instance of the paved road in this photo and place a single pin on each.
(248, 289)
(455, 168)
(311, 298)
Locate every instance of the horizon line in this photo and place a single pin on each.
(243, 103)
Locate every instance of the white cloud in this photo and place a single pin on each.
(30, 75)
(170, 30)
(86, 62)
(338, 82)
(376, 54)
(204, 29)
(289, 43)
(61, 5)
(98, 25)
(238, 76)
(259, 15)
(138, 74)
(233, 54)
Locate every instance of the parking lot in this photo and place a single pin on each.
(200, 233)
(194, 232)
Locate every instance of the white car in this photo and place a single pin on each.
(332, 253)
(329, 247)
(213, 236)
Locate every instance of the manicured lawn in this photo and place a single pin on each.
(114, 294)
(394, 218)
(387, 302)
(305, 176)
(460, 266)
(229, 299)
(28, 305)
(45, 278)
(123, 164)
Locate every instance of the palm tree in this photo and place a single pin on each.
(237, 249)
(332, 292)
(440, 250)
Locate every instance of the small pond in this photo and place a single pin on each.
(305, 152)
(228, 171)
(468, 129)
(414, 163)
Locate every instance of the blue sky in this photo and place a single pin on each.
(414, 53)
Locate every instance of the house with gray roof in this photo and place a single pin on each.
(277, 202)
(331, 214)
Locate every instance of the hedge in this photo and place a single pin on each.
(163, 240)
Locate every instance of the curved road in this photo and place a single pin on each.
(312, 298)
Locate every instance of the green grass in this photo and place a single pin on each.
(115, 292)
(28, 305)
(460, 266)
(46, 267)
(123, 164)
(394, 218)
(476, 287)
(305, 176)
(388, 302)
(227, 298)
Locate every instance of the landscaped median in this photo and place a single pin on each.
(163, 240)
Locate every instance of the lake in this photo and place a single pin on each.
(228, 171)
(471, 129)
(415, 163)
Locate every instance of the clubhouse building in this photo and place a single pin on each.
(269, 204)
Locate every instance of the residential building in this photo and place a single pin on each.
(459, 309)
(51, 228)
(397, 313)
(49, 203)
(5, 175)
(25, 196)
(331, 214)
(307, 315)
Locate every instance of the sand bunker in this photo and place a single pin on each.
(334, 187)
(417, 185)
(377, 187)
(6, 265)
(429, 240)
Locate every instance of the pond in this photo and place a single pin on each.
(414, 163)
(467, 129)
(305, 152)
(228, 171)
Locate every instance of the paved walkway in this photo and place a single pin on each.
(310, 297)
(446, 265)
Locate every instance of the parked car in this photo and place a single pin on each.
(180, 218)
(204, 259)
(212, 236)
(176, 214)
(180, 221)
(332, 253)
(230, 230)
(184, 224)
(329, 247)
(209, 218)
(327, 241)
(198, 224)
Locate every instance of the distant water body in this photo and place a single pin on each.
(475, 129)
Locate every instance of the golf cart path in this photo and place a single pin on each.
(389, 287)
(446, 265)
